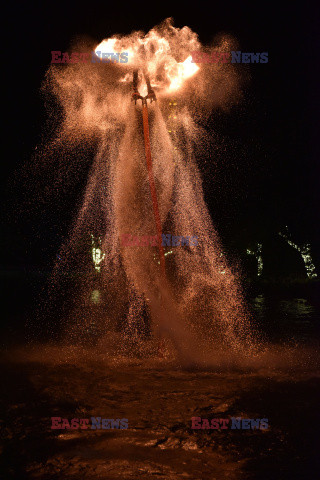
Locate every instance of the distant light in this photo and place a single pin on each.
(95, 297)
(257, 254)
(97, 254)
(305, 252)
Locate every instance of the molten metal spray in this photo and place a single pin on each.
(198, 305)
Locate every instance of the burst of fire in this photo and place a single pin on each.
(157, 56)
(182, 72)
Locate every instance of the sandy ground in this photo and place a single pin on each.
(158, 399)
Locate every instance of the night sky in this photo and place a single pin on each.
(262, 174)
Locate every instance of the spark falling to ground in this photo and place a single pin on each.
(198, 306)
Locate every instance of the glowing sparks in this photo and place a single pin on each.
(172, 123)
(165, 254)
(199, 289)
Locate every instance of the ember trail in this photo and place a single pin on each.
(145, 179)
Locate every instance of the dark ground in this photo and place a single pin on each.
(159, 400)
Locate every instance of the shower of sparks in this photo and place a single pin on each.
(201, 295)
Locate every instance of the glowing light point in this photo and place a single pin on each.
(97, 254)
(95, 297)
(305, 252)
(257, 254)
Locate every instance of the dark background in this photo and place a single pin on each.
(262, 174)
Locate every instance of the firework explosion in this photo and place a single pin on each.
(196, 307)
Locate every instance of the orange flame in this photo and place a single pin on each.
(156, 54)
